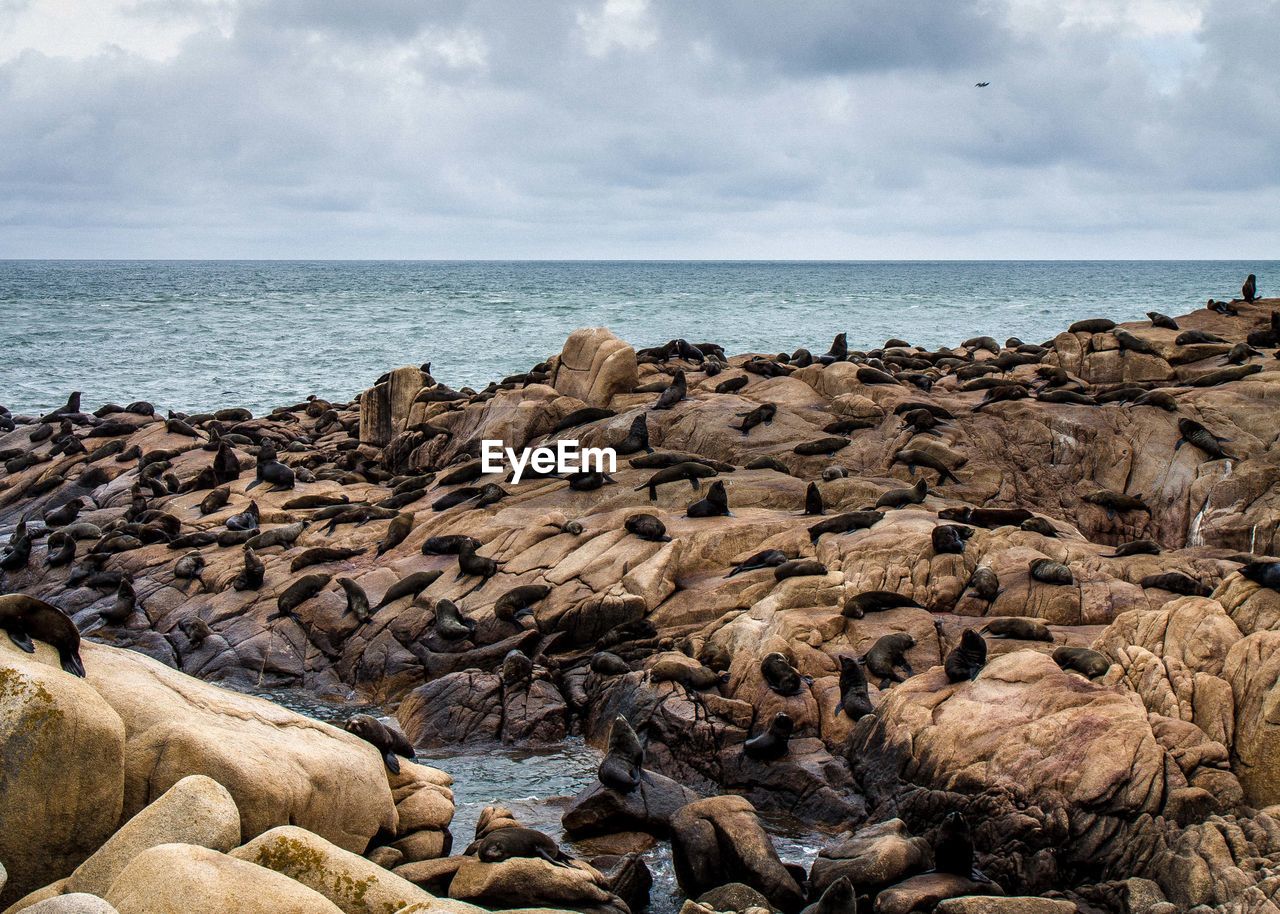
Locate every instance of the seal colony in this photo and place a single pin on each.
(838, 587)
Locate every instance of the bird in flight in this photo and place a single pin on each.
(981, 85)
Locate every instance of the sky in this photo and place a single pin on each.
(651, 129)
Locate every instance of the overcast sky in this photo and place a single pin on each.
(640, 128)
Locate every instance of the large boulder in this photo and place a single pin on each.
(384, 408)
(71, 903)
(720, 840)
(188, 879)
(523, 882)
(61, 769)
(594, 366)
(196, 810)
(354, 884)
(279, 766)
(1253, 669)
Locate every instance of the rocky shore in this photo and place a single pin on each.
(1000, 619)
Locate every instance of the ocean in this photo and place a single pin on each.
(198, 335)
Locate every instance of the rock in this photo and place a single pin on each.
(72, 903)
(210, 883)
(528, 882)
(734, 896)
(871, 858)
(384, 408)
(279, 766)
(354, 884)
(719, 840)
(196, 810)
(924, 892)
(649, 808)
(61, 769)
(595, 366)
(994, 904)
(1253, 668)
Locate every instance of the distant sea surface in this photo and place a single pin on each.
(197, 335)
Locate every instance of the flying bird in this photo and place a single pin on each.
(981, 85)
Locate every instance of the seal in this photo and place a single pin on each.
(949, 539)
(215, 500)
(985, 582)
(1193, 433)
(716, 503)
(839, 898)
(813, 505)
(780, 676)
(280, 536)
(357, 599)
(771, 745)
(913, 457)
(900, 498)
(1091, 325)
(953, 847)
(687, 470)
(845, 426)
(253, 574)
(271, 470)
(793, 568)
(471, 564)
(870, 601)
(409, 586)
(125, 603)
(606, 663)
(61, 549)
(623, 762)
(838, 352)
(1085, 661)
(845, 523)
(298, 593)
(397, 531)
(24, 618)
(827, 446)
(1018, 628)
(1135, 547)
(647, 527)
(767, 558)
(517, 841)
(320, 555)
(1177, 582)
(968, 658)
(516, 668)
(761, 415)
(637, 438)
(1249, 291)
(1163, 321)
(389, 742)
(1264, 574)
(855, 703)
(765, 462)
(518, 601)
(448, 545)
(582, 417)
(450, 624)
(1047, 571)
(888, 653)
(694, 678)
(732, 385)
(674, 394)
(1041, 525)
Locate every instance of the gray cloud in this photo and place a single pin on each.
(620, 128)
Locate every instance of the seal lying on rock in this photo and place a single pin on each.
(518, 601)
(624, 761)
(900, 498)
(1083, 660)
(768, 558)
(1018, 628)
(409, 586)
(875, 601)
(968, 659)
(888, 653)
(1266, 574)
(1177, 582)
(771, 745)
(517, 841)
(23, 618)
(1047, 571)
(388, 741)
(780, 676)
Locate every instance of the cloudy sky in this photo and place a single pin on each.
(640, 128)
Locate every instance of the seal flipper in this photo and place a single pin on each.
(389, 759)
(22, 639)
(544, 854)
(256, 482)
(71, 663)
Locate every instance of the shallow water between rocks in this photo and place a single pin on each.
(537, 785)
